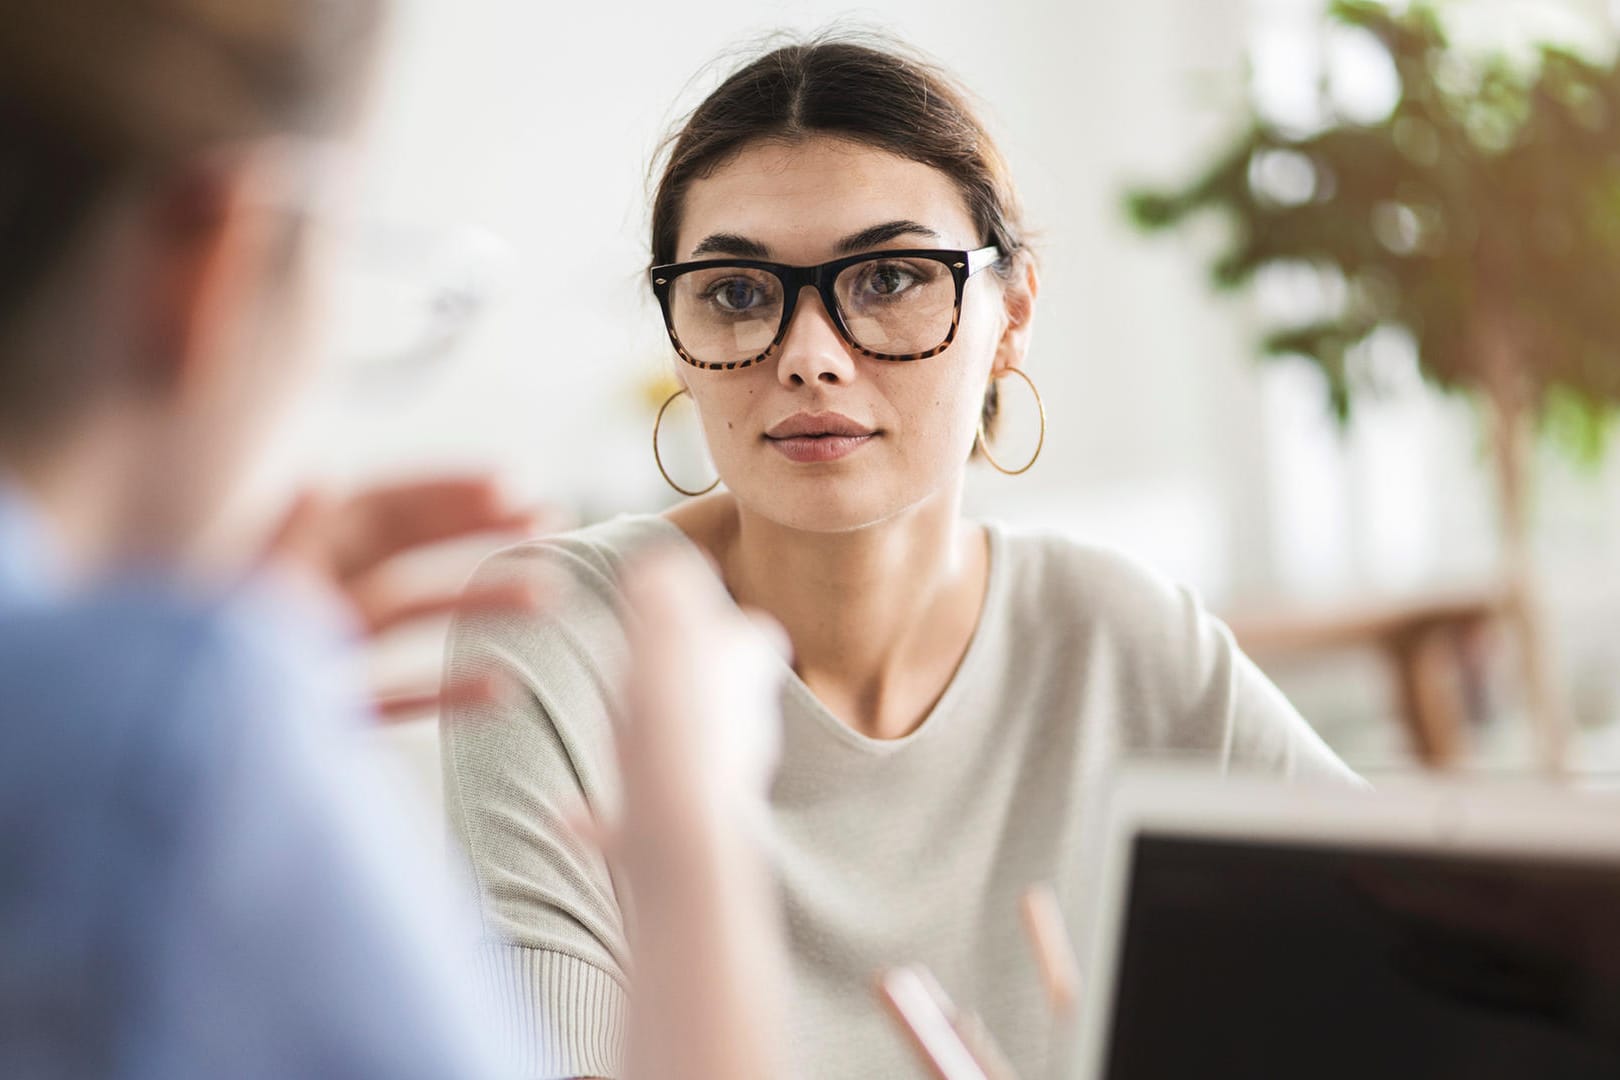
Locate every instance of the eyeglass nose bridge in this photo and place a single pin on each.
(795, 279)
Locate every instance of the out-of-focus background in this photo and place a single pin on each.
(535, 124)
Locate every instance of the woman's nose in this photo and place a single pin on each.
(813, 351)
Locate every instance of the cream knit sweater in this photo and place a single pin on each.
(910, 850)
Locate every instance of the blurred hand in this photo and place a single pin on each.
(701, 729)
(698, 744)
(350, 544)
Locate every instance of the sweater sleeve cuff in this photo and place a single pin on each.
(559, 1016)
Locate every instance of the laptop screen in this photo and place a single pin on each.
(1268, 960)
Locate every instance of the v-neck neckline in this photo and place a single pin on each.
(797, 689)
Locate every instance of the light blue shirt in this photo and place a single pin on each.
(201, 875)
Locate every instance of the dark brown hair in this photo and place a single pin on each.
(97, 93)
(866, 90)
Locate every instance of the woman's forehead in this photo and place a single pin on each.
(799, 200)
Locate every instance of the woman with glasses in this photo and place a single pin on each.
(843, 272)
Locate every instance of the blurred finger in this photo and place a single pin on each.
(400, 708)
(1042, 919)
(397, 708)
(912, 1003)
(386, 521)
(984, 1048)
(381, 608)
(917, 982)
(968, 1027)
(298, 535)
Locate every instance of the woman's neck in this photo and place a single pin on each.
(879, 617)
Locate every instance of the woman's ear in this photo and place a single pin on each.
(1019, 295)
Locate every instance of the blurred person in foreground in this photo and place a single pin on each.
(199, 874)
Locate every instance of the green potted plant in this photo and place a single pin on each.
(1482, 217)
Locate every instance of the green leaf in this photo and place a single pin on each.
(1490, 198)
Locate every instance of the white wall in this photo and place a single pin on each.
(537, 120)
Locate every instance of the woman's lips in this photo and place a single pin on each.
(809, 437)
(807, 449)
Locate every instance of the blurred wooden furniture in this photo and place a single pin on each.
(1433, 645)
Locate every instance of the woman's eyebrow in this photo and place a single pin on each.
(882, 234)
(731, 244)
(723, 243)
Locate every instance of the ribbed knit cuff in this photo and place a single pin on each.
(560, 1016)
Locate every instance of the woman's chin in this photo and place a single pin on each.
(824, 504)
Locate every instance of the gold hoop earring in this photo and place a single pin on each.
(984, 444)
(658, 459)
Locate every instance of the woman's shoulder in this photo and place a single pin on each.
(1084, 598)
(575, 578)
(1048, 570)
(1180, 682)
(595, 554)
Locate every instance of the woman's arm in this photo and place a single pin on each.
(517, 770)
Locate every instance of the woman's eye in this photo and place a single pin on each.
(736, 294)
(889, 279)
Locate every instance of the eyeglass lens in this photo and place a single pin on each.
(892, 307)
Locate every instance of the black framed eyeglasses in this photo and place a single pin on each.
(724, 314)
